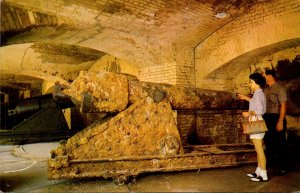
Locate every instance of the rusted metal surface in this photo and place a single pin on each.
(99, 92)
(199, 157)
(109, 92)
(145, 128)
(143, 136)
(185, 98)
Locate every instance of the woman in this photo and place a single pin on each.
(257, 107)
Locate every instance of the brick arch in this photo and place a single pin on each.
(18, 19)
(255, 58)
(257, 29)
(61, 62)
(25, 60)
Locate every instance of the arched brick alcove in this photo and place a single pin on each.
(260, 27)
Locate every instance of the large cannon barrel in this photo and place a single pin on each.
(34, 104)
(109, 92)
(31, 105)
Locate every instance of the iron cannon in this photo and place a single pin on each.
(35, 119)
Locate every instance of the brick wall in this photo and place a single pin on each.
(181, 72)
(159, 74)
(186, 124)
(17, 18)
(211, 127)
(185, 71)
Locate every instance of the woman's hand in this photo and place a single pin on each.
(246, 114)
(243, 97)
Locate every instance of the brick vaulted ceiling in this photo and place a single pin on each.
(142, 32)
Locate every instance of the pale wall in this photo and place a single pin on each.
(112, 64)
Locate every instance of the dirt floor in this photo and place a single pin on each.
(23, 169)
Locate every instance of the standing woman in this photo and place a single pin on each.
(257, 107)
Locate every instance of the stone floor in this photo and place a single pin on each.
(24, 169)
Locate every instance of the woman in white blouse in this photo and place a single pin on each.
(257, 107)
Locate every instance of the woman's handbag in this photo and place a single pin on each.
(256, 126)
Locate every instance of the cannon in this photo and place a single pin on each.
(141, 134)
(144, 138)
(35, 119)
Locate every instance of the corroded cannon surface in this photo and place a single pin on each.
(99, 92)
(109, 92)
(185, 98)
(143, 135)
(144, 128)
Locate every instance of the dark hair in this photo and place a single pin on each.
(258, 79)
(271, 72)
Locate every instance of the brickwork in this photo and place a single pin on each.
(124, 29)
(220, 127)
(16, 18)
(185, 72)
(162, 33)
(211, 127)
(182, 72)
(185, 76)
(186, 124)
(260, 26)
(159, 74)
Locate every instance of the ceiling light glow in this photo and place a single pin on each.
(220, 15)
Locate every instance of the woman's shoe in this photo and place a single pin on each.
(254, 175)
(259, 179)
